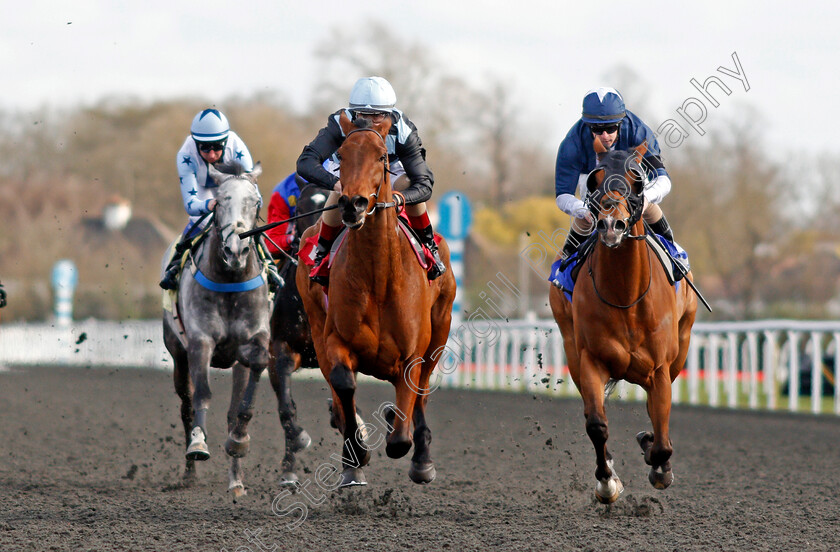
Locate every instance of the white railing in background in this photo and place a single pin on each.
(756, 365)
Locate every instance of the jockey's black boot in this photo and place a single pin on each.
(2, 297)
(170, 277)
(427, 236)
(573, 241)
(662, 228)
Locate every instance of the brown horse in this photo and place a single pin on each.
(625, 320)
(382, 317)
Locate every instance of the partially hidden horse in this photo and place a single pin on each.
(625, 321)
(291, 337)
(221, 319)
(382, 316)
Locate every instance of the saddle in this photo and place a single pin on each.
(564, 272)
(421, 252)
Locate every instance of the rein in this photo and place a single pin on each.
(644, 293)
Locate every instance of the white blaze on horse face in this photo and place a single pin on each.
(236, 212)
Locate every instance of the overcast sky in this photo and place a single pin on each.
(64, 53)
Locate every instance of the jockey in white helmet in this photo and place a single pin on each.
(373, 98)
(210, 141)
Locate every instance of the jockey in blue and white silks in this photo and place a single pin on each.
(605, 118)
(210, 141)
(210, 129)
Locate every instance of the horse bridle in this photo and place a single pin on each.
(629, 222)
(385, 169)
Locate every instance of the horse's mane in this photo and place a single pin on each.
(361, 122)
(233, 168)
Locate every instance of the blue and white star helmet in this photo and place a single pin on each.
(603, 105)
(373, 94)
(210, 125)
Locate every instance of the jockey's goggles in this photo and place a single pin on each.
(207, 147)
(375, 116)
(608, 128)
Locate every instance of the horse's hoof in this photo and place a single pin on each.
(238, 489)
(661, 477)
(398, 449)
(645, 440)
(237, 448)
(608, 491)
(422, 473)
(198, 447)
(353, 477)
(301, 442)
(288, 479)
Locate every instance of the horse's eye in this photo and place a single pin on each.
(338, 156)
(384, 157)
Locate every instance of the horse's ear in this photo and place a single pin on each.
(345, 122)
(215, 173)
(640, 150)
(384, 127)
(256, 171)
(595, 178)
(598, 146)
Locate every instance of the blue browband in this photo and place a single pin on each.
(248, 285)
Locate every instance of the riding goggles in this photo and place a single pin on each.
(608, 128)
(375, 116)
(207, 147)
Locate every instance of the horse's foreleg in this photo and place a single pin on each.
(422, 468)
(235, 474)
(256, 358)
(657, 447)
(297, 439)
(183, 388)
(593, 378)
(398, 442)
(199, 354)
(355, 453)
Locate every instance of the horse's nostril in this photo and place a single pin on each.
(620, 226)
(360, 203)
(226, 249)
(601, 225)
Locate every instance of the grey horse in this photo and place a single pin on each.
(221, 319)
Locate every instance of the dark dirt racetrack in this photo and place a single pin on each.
(92, 460)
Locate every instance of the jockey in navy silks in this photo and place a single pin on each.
(373, 98)
(605, 118)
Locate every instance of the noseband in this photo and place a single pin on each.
(375, 196)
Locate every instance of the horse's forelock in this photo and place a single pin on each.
(362, 122)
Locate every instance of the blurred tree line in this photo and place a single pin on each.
(734, 206)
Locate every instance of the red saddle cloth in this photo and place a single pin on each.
(307, 249)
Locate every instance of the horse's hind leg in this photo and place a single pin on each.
(593, 379)
(297, 439)
(657, 446)
(422, 468)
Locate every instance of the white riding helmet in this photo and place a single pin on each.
(210, 125)
(374, 94)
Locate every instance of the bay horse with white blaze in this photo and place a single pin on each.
(625, 321)
(221, 319)
(382, 316)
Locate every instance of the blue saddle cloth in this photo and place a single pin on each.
(562, 269)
